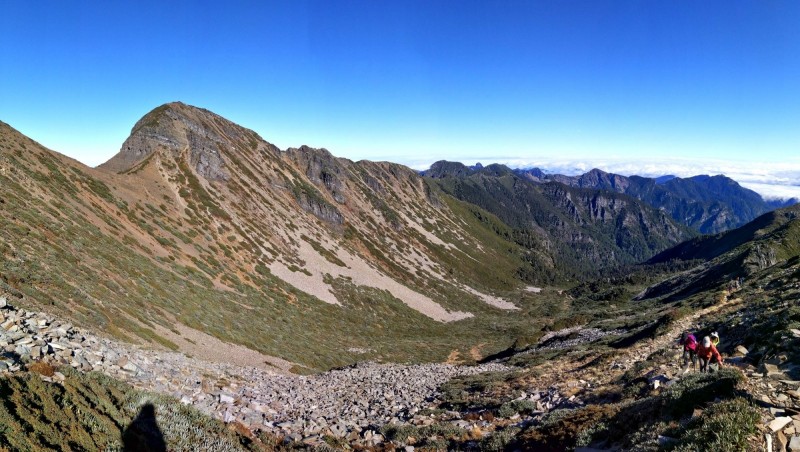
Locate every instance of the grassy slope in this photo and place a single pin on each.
(95, 412)
(623, 410)
(772, 238)
(72, 245)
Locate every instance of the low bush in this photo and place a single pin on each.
(509, 409)
(724, 426)
(615, 424)
(499, 440)
(697, 389)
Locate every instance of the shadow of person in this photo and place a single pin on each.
(143, 434)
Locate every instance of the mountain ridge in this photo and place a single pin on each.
(709, 204)
(196, 212)
(576, 225)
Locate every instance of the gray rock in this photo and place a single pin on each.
(794, 444)
(779, 423)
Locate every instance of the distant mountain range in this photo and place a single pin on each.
(584, 229)
(707, 204)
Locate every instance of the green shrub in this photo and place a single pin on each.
(697, 389)
(401, 433)
(725, 426)
(499, 440)
(509, 409)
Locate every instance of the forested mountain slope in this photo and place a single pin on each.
(585, 230)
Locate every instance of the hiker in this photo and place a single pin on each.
(708, 354)
(689, 343)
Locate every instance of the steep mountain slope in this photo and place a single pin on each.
(198, 226)
(740, 253)
(585, 230)
(709, 204)
(617, 380)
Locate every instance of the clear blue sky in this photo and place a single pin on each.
(417, 81)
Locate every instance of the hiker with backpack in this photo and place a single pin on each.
(715, 339)
(689, 343)
(708, 354)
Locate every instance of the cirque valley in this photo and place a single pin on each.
(282, 291)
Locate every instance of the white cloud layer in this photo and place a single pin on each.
(769, 179)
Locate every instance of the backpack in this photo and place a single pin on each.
(689, 342)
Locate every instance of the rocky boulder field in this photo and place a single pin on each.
(490, 406)
(356, 405)
(351, 403)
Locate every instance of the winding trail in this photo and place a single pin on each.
(560, 373)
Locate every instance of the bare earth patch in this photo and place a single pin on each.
(454, 357)
(475, 352)
(208, 348)
(362, 274)
(491, 300)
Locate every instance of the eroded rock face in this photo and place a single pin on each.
(320, 208)
(759, 258)
(207, 162)
(323, 169)
(327, 174)
(176, 128)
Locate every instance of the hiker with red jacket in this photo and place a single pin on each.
(708, 353)
(689, 343)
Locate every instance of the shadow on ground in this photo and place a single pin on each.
(143, 434)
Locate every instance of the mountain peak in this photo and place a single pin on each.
(443, 168)
(175, 128)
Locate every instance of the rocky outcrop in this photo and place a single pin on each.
(759, 258)
(176, 128)
(322, 168)
(319, 207)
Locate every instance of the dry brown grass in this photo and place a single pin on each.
(42, 368)
(562, 434)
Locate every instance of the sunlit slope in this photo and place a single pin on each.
(769, 240)
(200, 223)
(584, 230)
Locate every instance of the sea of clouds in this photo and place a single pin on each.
(769, 179)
